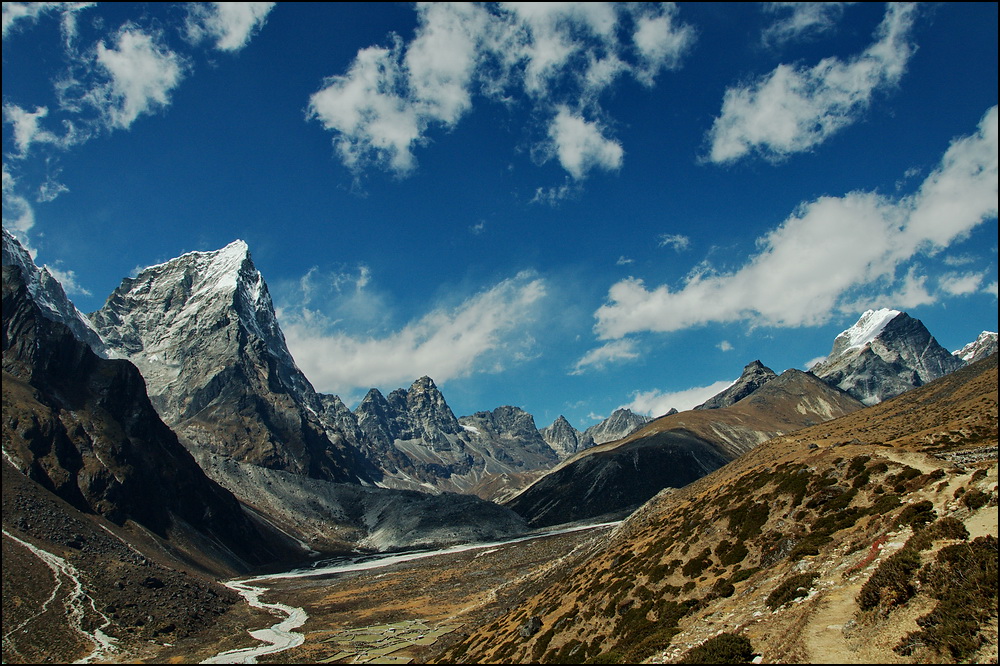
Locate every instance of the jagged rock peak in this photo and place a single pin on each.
(50, 297)
(564, 438)
(979, 348)
(622, 423)
(754, 375)
(884, 354)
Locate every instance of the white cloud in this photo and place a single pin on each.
(556, 194)
(991, 288)
(141, 72)
(229, 24)
(961, 284)
(18, 215)
(801, 20)
(828, 256)
(482, 334)
(17, 12)
(612, 352)
(26, 127)
(580, 145)
(725, 346)
(624, 261)
(559, 56)
(374, 123)
(791, 109)
(656, 403)
(676, 241)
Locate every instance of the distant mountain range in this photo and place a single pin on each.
(172, 432)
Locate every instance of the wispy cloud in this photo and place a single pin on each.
(676, 241)
(657, 403)
(792, 109)
(558, 56)
(725, 346)
(801, 20)
(485, 333)
(612, 352)
(68, 280)
(960, 284)
(829, 256)
(229, 24)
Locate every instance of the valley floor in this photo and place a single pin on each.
(408, 612)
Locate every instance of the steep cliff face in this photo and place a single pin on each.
(49, 296)
(884, 354)
(82, 427)
(202, 330)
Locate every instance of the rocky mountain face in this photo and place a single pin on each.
(622, 423)
(884, 354)
(202, 331)
(978, 349)
(675, 450)
(420, 444)
(564, 439)
(49, 296)
(753, 377)
(82, 427)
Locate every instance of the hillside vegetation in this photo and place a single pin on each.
(870, 538)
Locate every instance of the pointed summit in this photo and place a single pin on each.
(754, 376)
(202, 330)
(622, 423)
(884, 354)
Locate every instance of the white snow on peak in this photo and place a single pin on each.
(967, 352)
(868, 327)
(473, 429)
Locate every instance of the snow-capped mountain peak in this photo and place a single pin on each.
(868, 327)
(980, 348)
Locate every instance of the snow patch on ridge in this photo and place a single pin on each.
(869, 326)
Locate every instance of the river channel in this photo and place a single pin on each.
(282, 635)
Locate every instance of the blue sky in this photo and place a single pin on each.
(565, 208)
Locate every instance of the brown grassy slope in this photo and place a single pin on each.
(826, 504)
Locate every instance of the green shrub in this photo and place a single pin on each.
(731, 553)
(742, 575)
(884, 504)
(746, 520)
(725, 648)
(695, 566)
(942, 528)
(793, 587)
(918, 514)
(892, 583)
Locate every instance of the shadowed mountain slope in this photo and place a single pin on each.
(674, 450)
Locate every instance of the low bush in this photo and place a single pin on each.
(918, 514)
(963, 578)
(793, 587)
(725, 648)
(892, 583)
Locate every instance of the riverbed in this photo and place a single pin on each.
(323, 603)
